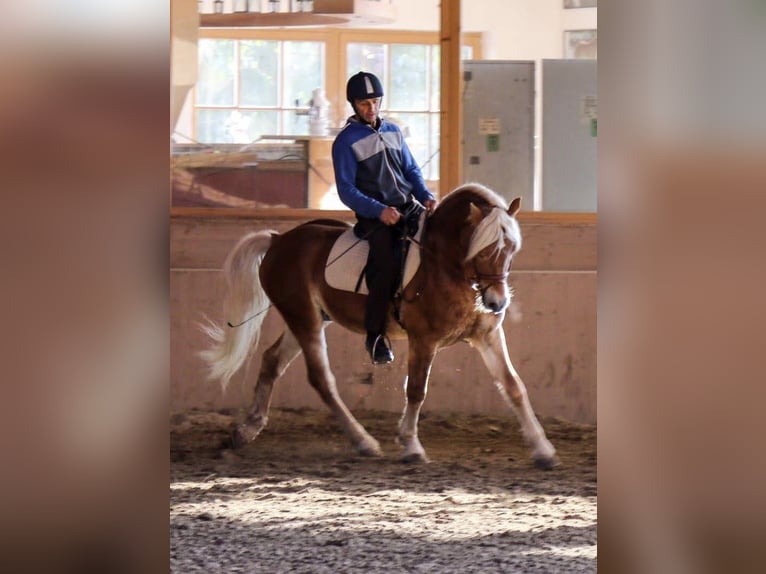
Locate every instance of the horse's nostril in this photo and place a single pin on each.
(495, 306)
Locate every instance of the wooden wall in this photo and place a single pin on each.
(551, 330)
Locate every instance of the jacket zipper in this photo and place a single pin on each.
(388, 164)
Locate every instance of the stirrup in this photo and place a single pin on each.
(380, 350)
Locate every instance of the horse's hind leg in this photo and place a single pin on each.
(495, 354)
(275, 361)
(321, 378)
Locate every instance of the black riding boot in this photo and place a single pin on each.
(381, 274)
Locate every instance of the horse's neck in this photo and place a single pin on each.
(445, 252)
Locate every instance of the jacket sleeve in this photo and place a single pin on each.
(413, 174)
(345, 166)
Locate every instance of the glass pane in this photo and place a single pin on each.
(211, 126)
(408, 81)
(217, 72)
(237, 127)
(435, 77)
(293, 124)
(416, 134)
(303, 72)
(466, 52)
(368, 58)
(259, 71)
(433, 148)
(262, 123)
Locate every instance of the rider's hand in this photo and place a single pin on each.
(390, 215)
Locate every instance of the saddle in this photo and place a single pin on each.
(345, 267)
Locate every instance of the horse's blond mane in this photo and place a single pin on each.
(496, 228)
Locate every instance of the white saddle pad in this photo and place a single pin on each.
(349, 256)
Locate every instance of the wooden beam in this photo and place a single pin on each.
(451, 117)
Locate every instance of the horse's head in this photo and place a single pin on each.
(495, 239)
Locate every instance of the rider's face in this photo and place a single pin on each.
(367, 109)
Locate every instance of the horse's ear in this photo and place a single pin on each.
(515, 206)
(475, 215)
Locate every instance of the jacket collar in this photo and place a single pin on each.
(355, 120)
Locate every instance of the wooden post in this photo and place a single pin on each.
(451, 117)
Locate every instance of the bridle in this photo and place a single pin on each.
(478, 277)
(475, 280)
(489, 279)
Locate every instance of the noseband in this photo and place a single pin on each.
(488, 279)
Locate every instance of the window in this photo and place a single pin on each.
(256, 82)
(250, 88)
(410, 76)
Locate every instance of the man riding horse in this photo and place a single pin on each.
(377, 177)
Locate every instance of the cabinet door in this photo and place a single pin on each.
(498, 127)
(569, 159)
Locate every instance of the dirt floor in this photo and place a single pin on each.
(299, 500)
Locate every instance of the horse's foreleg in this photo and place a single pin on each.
(275, 361)
(416, 386)
(321, 378)
(495, 355)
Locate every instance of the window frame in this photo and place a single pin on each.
(336, 42)
(267, 35)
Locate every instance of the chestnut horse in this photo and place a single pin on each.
(459, 293)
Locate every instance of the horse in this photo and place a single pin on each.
(459, 293)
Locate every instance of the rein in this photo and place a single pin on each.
(474, 281)
(354, 244)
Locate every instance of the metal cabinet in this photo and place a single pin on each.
(498, 127)
(569, 150)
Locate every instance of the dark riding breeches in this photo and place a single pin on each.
(382, 271)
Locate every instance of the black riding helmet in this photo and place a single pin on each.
(362, 86)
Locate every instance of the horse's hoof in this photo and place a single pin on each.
(229, 456)
(240, 436)
(236, 441)
(369, 450)
(546, 462)
(415, 458)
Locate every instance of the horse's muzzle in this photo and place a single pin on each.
(495, 298)
(496, 306)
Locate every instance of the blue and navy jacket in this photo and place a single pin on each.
(374, 168)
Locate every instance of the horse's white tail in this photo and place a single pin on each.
(245, 300)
